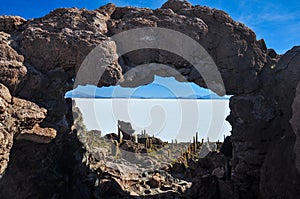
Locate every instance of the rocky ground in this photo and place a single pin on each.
(42, 156)
(148, 167)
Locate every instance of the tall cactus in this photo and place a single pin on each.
(197, 137)
(120, 138)
(136, 140)
(115, 148)
(192, 148)
(187, 156)
(146, 143)
(149, 143)
(194, 145)
(120, 135)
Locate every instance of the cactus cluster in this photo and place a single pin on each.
(192, 148)
(144, 134)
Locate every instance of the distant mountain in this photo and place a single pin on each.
(160, 88)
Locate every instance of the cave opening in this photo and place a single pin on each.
(166, 108)
(168, 120)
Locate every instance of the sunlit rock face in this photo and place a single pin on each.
(40, 57)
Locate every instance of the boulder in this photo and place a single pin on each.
(37, 134)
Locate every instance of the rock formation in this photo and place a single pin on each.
(20, 119)
(40, 57)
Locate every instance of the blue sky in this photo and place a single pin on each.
(277, 21)
(160, 88)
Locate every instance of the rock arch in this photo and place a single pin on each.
(40, 57)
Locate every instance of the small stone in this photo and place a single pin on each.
(156, 181)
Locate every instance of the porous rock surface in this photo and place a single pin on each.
(40, 57)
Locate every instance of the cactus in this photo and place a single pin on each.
(169, 153)
(195, 145)
(119, 130)
(146, 143)
(186, 156)
(208, 139)
(202, 141)
(196, 137)
(120, 138)
(120, 135)
(115, 148)
(176, 143)
(150, 143)
(136, 140)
